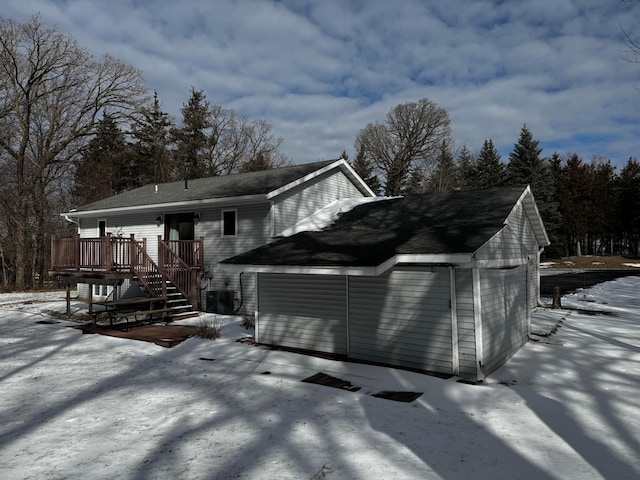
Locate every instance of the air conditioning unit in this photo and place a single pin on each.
(219, 301)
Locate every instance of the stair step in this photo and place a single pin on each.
(178, 311)
(183, 316)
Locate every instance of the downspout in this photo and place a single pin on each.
(272, 211)
(477, 315)
(538, 302)
(453, 302)
(70, 220)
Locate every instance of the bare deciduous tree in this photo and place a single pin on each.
(409, 139)
(237, 144)
(221, 142)
(632, 42)
(51, 92)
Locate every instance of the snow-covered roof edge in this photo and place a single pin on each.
(327, 215)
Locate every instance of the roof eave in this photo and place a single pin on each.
(372, 271)
(529, 204)
(341, 163)
(239, 200)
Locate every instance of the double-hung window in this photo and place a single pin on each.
(229, 223)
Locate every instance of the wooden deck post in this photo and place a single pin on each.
(68, 299)
(91, 299)
(77, 252)
(106, 253)
(133, 253)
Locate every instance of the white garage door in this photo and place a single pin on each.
(403, 318)
(303, 311)
(504, 314)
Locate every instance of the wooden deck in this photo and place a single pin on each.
(108, 260)
(117, 254)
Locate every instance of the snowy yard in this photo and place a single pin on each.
(76, 406)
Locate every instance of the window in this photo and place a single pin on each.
(229, 223)
(102, 228)
(100, 291)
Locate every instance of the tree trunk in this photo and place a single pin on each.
(21, 255)
(5, 278)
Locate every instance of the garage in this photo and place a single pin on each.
(402, 318)
(504, 313)
(443, 283)
(303, 311)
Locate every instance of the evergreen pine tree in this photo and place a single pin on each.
(364, 167)
(527, 167)
(490, 171)
(417, 183)
(575, 200)
(466, 178)
(151, 146)
(445, 173)
(191, 137)
(604, 202)
(525, 164)
(629, 207)
(103, 168)
(558, 247)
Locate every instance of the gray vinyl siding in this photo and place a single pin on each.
(504, 246)
(142, 225)
(300, 202)
(504, 314)
(402, 319)
(516, 241)
(533, 282)
(253, 230)
(521, 225)
(303, 311)
(466, 323)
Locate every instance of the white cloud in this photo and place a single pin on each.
(320, 71)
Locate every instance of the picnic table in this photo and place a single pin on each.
(132, 308)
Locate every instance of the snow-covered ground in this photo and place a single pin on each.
(76, 406)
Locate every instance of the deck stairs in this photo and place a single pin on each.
(178, 306)
(156, 281)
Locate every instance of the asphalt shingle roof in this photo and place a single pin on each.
(369, 234)
(252, 183)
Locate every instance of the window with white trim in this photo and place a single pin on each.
(229, 223)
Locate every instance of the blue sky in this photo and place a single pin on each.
(319, 71)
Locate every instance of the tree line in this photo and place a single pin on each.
(588, 208)
(75, 128)
(209, 141)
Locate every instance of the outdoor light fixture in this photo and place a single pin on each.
(196, 218)
(159, 220)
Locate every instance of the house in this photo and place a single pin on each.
(442, 282)
(176, 234)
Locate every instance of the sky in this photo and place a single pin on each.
(75, 406)
(319, 72)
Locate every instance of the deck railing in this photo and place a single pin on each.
(106, 253)
(178, 260)
(190, 252)
(152, 278)
(182, 274)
